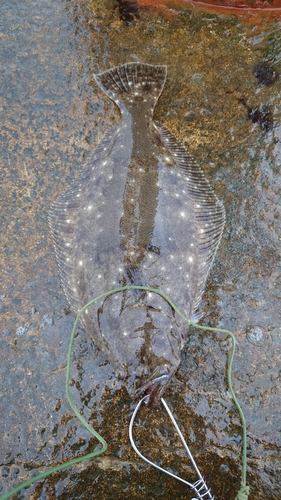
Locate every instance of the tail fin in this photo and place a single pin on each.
(132, 83)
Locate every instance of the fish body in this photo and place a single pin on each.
(140, 213)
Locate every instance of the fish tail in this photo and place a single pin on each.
(132, 83)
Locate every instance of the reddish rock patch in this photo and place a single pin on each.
(249, 9)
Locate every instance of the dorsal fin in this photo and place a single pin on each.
(63, 220)
(131, 83)
(208, 209)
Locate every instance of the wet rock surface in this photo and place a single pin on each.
(52, 117)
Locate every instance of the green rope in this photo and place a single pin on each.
(242, 493)
(74, 461)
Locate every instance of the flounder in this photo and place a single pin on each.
(140, 213)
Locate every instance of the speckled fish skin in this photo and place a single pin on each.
(141, 212)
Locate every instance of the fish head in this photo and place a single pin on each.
(156, 342)
(146, 346)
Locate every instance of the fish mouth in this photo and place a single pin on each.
(154, 389)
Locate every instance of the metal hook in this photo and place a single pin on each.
(199, 487)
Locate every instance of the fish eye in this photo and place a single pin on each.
(151, 307)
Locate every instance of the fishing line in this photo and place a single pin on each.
(244, 490)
